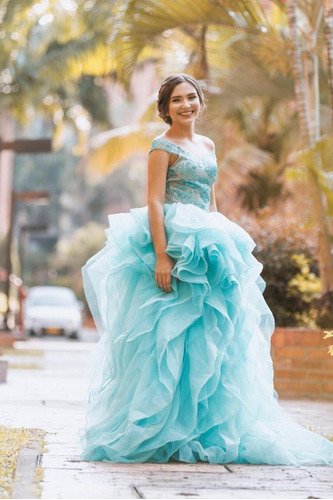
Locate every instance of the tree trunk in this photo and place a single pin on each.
(198, 64)
(308, 140)
(324, 247)
(328, 16)
(299, 80)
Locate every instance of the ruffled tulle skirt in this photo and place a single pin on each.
(185, 376)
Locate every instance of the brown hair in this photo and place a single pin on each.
(166, 89)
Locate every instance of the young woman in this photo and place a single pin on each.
(183, 367)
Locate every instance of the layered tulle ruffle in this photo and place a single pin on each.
(187, 375)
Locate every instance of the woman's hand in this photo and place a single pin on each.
(164, 266)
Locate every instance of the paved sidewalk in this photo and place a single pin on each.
(46, 389)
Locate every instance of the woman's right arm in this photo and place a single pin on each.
(157, 171)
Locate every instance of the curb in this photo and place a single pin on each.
(28, 472)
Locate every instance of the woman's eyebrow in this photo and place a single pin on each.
(188, 95)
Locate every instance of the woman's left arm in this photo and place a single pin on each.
(212, 205)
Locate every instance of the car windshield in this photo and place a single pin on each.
(52, 300)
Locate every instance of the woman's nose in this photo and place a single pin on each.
(186, 104)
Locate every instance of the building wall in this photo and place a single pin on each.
(302, 366)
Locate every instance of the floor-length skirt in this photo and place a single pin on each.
(186, 375)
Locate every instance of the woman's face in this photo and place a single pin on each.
(184, 104)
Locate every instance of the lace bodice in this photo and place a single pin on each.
(190, 178)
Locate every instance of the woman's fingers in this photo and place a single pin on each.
(166, 286)
(163, 281)
(164, 266)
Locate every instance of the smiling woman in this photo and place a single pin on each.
(183, 366)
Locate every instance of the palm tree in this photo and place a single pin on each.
(313, 164)
(328, 16)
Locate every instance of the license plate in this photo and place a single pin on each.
(53, 330)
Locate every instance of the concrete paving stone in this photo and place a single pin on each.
(219, 494)
(24, 482)
(70, 484)
(175, 485)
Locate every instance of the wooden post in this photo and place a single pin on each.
(20, 146)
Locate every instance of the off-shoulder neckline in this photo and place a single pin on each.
(185, 150)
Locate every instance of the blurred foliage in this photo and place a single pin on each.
(93, 99)
(67, 209)
(71, 254)
(50, 53)
(286, 248)
(315, 161)
(325, 310)
(305, 282)
(329, 334)
(254, 168)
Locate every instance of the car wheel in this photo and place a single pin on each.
(74, 335)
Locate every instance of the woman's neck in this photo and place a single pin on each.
(185, 133)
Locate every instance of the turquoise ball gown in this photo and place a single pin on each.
(186, 376)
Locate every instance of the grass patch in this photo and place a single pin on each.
(12, 441)
(24, 366)
(21, 352)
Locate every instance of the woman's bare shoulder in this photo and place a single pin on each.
(206, 141)
(161, 136)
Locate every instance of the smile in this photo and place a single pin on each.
(186, 113)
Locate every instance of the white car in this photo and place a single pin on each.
(52, 310)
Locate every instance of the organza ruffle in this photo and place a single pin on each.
(185, 376)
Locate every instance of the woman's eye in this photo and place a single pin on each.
(177, 99)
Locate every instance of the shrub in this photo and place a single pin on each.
(286, 249)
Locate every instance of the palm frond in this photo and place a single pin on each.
(252, 174)
(78, 57)
(136, 23)
(295, 174)
(248, 78)
(325, 182)
(108, 150)
(317, 158)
